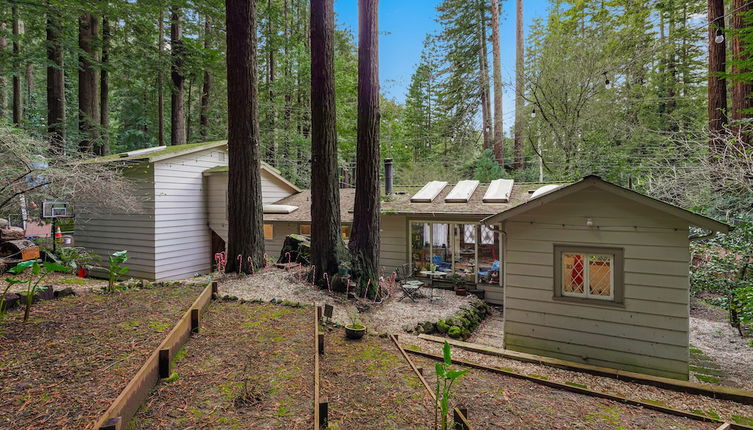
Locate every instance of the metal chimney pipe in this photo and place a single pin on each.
(388, 177)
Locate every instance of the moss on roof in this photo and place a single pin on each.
(175, 149)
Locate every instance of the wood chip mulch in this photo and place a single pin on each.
(497, 401)
(369, 385)
(251, 366)
(62, 369)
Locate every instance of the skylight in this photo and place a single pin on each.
(499, 191)
(429, 192)
(462, 192)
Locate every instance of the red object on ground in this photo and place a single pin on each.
(58, 234)
(81, 272)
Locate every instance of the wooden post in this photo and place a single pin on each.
(323, 409)
(215, 289)
(318, 313)
(194, 320)
(112, 424)
(460, 421)
(164, 363)
(321, 343)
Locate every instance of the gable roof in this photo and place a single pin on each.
(160, 154)
(220, 170)
(595, 181)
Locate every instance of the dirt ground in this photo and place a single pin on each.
(369, 385)
(391, 316)
(250, 367)
(497, 401)
(59, 281)
(62, 369)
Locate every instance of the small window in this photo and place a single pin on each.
(269, 232)
(345, 229)
(589, 273)
(305, 229)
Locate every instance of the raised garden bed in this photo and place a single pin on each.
(369, 385)
(76, 354)
(499, 401)
(250, 366)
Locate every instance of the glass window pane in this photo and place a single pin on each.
(489, 264)
(305, 228)
(442, 241)
(420, 246)
(600, 275)
(573, 274)
(465, 252)
(268, 232)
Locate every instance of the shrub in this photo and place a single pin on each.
(455, 332)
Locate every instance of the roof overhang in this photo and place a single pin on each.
(223, 170)
(596, 182)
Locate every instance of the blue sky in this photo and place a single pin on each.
(403, 25)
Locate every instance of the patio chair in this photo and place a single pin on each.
(442, 266)
(487, 273)
(410, 290)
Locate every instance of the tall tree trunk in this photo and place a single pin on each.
(287, 70)
(55, 82)
(499, 143)
(245, 224)
(741, 88)
(88, 117)
(206, 87)
(104, 89)
(188, 109)
(364, 239)
(486, 120)
(519, 85)
(326, 243)
(177, 105)
(160, 81)
(272, 148)
(3, 81)
(18, 106)
(717, 84)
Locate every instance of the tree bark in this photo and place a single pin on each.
(160, 81)
(486, 120)
(88, 118)
(272, 155)
(519, 86)
(717, 84)
(741, 88)
(55, 82)
(177, 105)
(245, 224)
(104, 89)
(497, 65)
(18, 106)
(364, 239)
(326, 243)
(3, 81)
(206, 87)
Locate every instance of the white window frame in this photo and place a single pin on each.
(586, 294)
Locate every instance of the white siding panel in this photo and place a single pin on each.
(393, 245)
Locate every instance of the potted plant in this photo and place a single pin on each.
(355, 330)
(457, 283)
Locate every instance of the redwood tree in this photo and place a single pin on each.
(717, 84)
(364, 239)
(486, 120)
(498, 140)
(206, 87)
(245, 224)
(160, 81)
(741, 88)
(18, 107)
(519, 84)
(55, 82)
(177, 107)
(88, 115)
(326, 243)
(104, 89)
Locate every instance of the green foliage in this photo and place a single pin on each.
(487, 169)
(455, 332)
(115, 268)
(724, 265)
(74, 257)
(37, 272)
(446, 377)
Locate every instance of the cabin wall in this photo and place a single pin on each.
(280, 230)
(103, 231)
(393, 247)
(182, 237)
(648, 333)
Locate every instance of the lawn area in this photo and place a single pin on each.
(497, 401)
(369, 385)
(251, 366)
(63, 368)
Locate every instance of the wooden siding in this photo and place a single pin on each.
(648, 333)
(272, 190)
(182, 237)
(103, 232)
(280, 230)
(393, 247)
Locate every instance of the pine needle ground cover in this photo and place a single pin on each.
(369, 385)
(76, 354)
(251, 366)
(497, 401)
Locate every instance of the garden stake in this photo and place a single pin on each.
(313, 276)
(264, 266)
(321, 343)
(194, 320)
(164, 363)
(239, 258)
(347, 288)
(251, 264)
(289, 260)
(326, 279)
(215, 289)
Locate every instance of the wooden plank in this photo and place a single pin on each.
(719, 392)
(133, 395)
(317, 415)
(585, 391)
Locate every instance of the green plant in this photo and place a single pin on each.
(38, 273)
(355, 322)
(74, 257)
(446, 376)
(116, 268)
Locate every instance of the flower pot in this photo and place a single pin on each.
(354, 333)
(461, 291)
